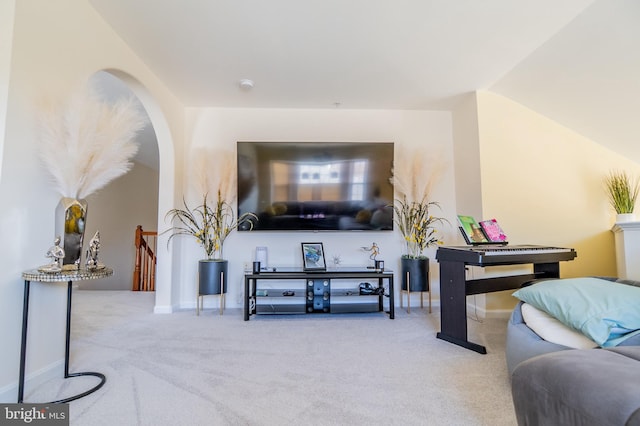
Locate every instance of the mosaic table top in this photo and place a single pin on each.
(66, 276)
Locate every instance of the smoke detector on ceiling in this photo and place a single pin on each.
(246, 84)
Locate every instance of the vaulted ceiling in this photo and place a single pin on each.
(575, 61)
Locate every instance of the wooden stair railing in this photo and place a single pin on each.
(144, 272)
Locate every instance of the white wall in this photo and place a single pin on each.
(56, 45)
(544, 183)
(467, 155)
(116, 211)
(7, 9)
(468, 173)
(221, 128)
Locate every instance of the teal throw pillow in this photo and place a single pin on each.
(605, 311)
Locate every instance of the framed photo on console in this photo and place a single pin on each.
(313, 257)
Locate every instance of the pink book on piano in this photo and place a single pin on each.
(493, 231)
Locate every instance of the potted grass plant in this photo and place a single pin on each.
(622, 191)
(413, 216)
(417, 225)
(210, 223)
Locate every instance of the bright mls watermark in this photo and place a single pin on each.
(34, 414)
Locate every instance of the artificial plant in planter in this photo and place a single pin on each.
(622, 191)
(412, 215)
(210, 223)
(416, 224)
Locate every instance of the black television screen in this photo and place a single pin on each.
(327, 186)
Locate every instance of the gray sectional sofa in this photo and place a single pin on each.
(554, 384)
(579, 387)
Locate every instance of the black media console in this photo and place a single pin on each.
(294, 291)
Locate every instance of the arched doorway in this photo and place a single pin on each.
(139, 199)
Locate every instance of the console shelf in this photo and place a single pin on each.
(315, 292)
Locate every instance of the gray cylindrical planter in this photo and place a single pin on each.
(212, 276)
(418, 274)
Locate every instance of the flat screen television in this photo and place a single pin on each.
(313, 186)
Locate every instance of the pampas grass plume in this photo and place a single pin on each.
(215, 171)
(415, 176)
(85, 143)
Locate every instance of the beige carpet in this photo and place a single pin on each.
(343, 369)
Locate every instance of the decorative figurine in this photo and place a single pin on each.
(56, 254)
(375, 251)
(337, 260)
(92, 253)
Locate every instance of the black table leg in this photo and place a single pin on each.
(23, 350)
(23, 346)
(392, 302)
(101, 376)
(68, 334)
(380, 295)
(246, 298)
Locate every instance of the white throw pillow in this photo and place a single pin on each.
(552, 330)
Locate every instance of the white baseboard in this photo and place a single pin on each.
(473, 310)
(499, 313)
(214, 303)
(415, 303)
(9, 393)
(164, 309)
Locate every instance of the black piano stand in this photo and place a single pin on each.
(454, 289)
(462, 342)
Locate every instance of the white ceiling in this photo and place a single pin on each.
(575, 61)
